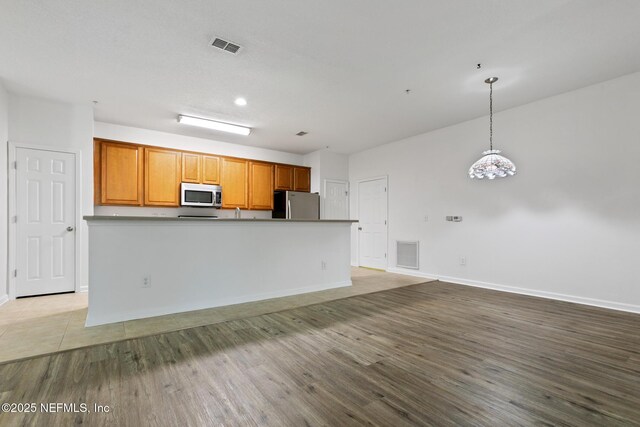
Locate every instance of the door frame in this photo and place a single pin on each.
(374, 178)
(324, 194)
(13, 203)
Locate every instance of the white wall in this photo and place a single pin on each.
(567, 226)
(199, 264)
(4, 136)
(48, 123)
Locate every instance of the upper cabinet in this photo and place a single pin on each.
(283, 177)
(191, 168)
(119, 179)
(139, 175)
(200, 168)
(162, 174)
(260, 186)
(235, 183)
(210, 169)
(302, 179)
(296, 178)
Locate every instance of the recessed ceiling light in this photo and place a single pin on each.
(212, 124)
(241, 101)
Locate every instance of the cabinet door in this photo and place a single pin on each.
(191, 168)
(161, 177)
(260, 186)
(120, 174)
(97, 172)
(302, 179)
(235, 183)
(284, 177)
(210, 169)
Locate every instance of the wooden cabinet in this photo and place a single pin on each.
(162, 173)
(295, 178)
(283, 177)
(200, 168)
(138, 175)
(120, 174)
(302, 179)
(210, 169)
(260, 186)
(235, 183)
(191, 168)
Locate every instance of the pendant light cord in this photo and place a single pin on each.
(491, 116)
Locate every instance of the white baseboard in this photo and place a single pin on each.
(4, 298)
(84, 288)
(409, 272)
(613, 305)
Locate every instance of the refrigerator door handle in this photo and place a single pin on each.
(288, 209)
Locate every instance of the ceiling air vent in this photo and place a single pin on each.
(225, 45)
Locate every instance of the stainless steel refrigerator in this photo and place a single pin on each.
(296, 205)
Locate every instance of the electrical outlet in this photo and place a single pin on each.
(146, 282)
(426, 218)
(323, 265)
(463, 260)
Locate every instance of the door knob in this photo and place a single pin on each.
(69, 228)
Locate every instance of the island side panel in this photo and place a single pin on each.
(196, 265)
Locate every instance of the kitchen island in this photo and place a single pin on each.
(150, 266)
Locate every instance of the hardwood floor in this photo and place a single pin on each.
(427, 354)
(42, 325)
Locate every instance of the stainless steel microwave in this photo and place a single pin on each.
(200, 195)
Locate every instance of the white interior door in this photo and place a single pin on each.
(336, 199)
(45, 223)
(372, 228)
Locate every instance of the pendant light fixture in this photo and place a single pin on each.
(491, 164)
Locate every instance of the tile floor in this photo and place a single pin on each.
(40, 325)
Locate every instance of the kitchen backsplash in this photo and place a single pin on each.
(152, 211)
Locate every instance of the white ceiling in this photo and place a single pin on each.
(337, 69)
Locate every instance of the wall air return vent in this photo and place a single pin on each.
(225, 45)
(407, 254)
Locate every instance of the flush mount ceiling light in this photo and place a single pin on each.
(492, 164)
(241, 102)
(212, 124)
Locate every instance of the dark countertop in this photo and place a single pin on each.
(173, 218)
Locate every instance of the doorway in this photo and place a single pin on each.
(372, 228)
(44, 216)
(336, 199)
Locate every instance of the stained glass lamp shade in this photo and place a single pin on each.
(491, 165)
